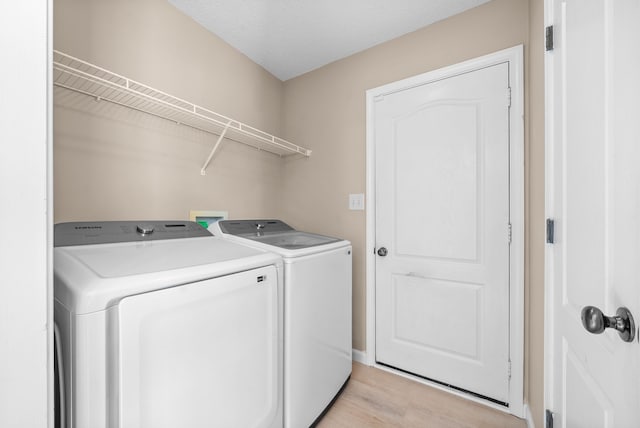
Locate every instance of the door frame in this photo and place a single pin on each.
(549, 179)
(27, 386)
(514, 56)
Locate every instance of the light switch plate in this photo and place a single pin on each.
(356, 201)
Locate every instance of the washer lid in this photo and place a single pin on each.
(276, 236)
(90, 278)
(293, 240)
(272, 232)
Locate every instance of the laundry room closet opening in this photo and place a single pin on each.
(112, 163)
(446, 228)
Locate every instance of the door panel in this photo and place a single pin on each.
(442, 210)
(585, 170)
(451, 161)
(595, 200)
(423, 327)
(585, 405)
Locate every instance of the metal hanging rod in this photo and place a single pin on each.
(81, 76)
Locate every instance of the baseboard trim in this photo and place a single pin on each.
(359, 357)
(528, 416)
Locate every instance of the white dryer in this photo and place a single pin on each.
(317, 312)
(162, 325)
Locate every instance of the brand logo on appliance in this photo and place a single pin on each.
(87, 227)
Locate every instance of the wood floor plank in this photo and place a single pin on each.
(379, 399)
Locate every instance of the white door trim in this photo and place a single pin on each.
(514, 56)
(548, 213)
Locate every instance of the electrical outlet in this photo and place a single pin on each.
(356, 201)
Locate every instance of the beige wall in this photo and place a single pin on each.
(112, 163)
(534, 263)
(325, 111)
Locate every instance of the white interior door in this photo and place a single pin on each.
(593, 175)
(442, 216)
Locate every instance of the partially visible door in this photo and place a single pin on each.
(442, 230)
(594, 199)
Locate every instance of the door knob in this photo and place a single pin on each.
(382, 251)
(596, 322)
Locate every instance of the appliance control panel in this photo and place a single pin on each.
(110, 232)
(253, 227)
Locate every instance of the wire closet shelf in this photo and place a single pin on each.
(81, 76)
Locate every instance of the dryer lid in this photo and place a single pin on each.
(253, 227)
(272, 232)
(294, 240)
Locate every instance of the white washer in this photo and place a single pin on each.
(317, 312)
(162, 325)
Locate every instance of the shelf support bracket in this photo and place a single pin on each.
(203, 170)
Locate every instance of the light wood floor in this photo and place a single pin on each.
(375, 398)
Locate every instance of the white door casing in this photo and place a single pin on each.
(26, 249)
(593, 196)
(443, 212)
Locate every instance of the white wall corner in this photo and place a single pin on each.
(359, 357)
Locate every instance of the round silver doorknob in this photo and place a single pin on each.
(382, 251)
(594, 321)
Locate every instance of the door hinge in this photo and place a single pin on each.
(510, 232)
(509, 369)
(509, 97)
(551, 226)
(548, 420)
(548, 38)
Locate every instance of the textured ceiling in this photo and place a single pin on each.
(291, 37)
